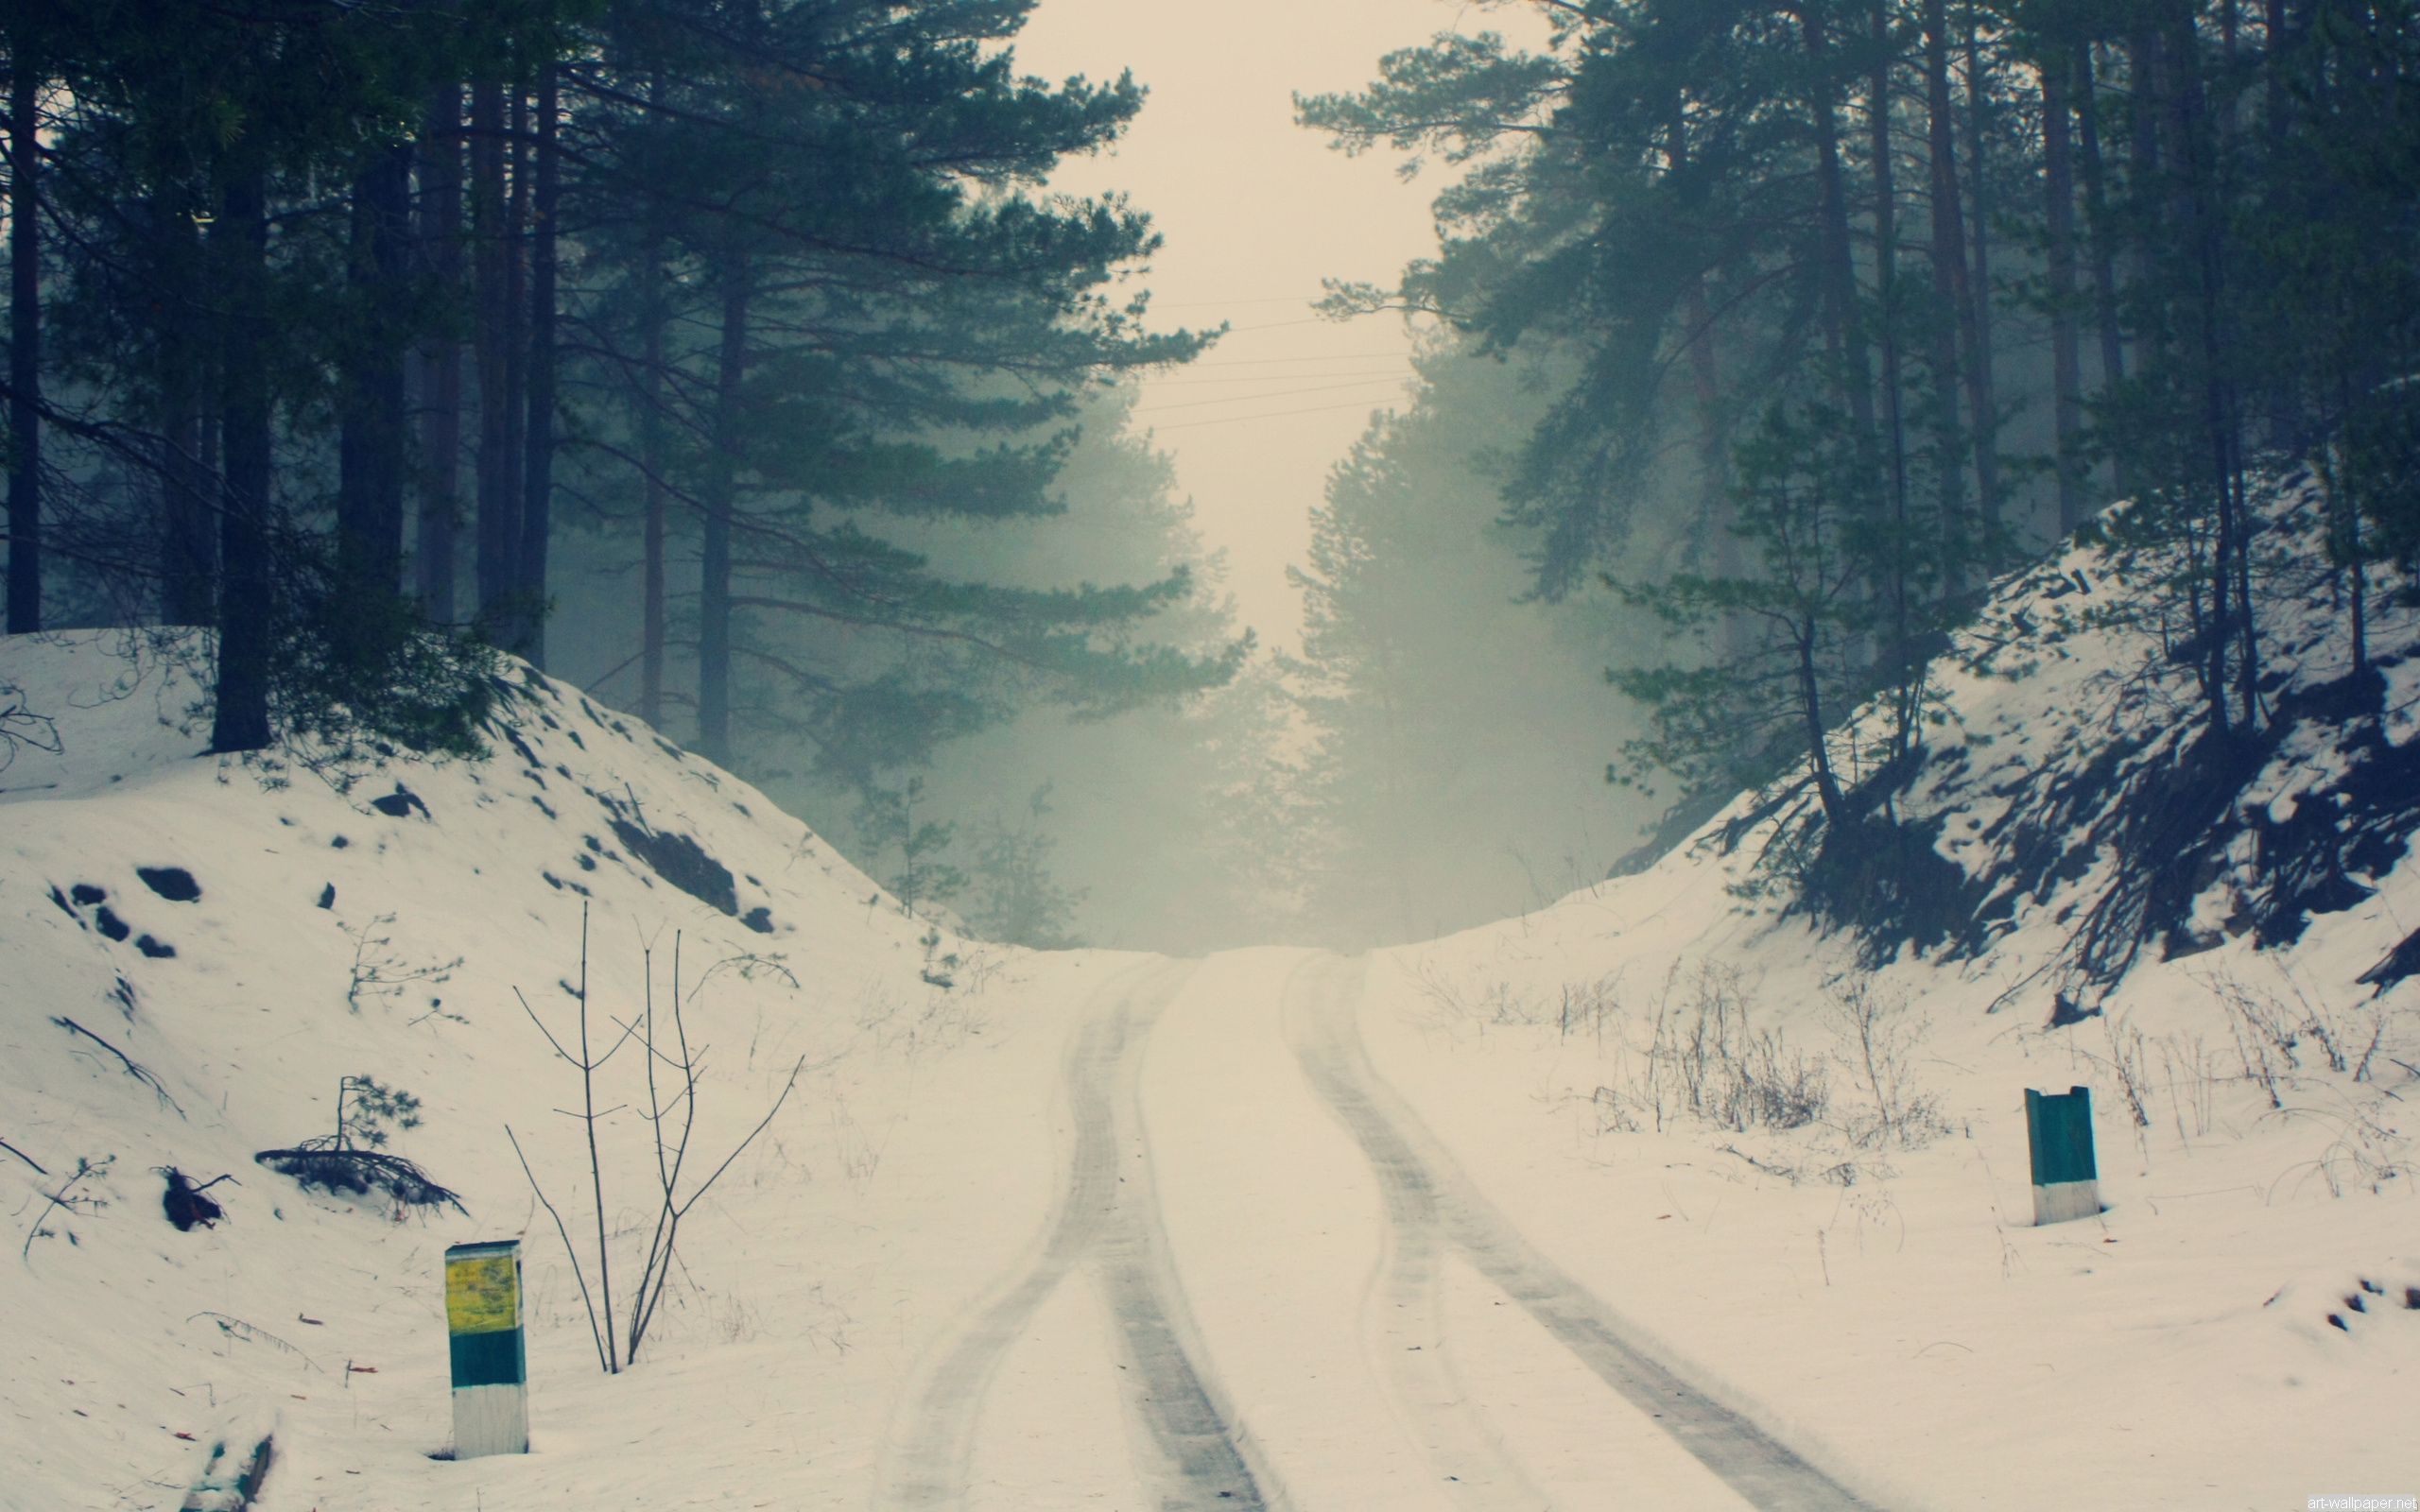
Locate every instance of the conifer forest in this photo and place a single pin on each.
(1428, 755)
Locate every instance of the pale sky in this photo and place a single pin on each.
(1255, 212)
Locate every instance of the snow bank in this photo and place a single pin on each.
(384, 931)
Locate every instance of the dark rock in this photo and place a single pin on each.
(112, 926)
(175, 884)
(187, 1204)
(87, 895)
(683, 862)
(157, 950)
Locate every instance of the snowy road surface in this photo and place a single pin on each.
(1291, 1297)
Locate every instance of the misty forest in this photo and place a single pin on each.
(1893, 576)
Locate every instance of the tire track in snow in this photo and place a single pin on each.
(1425, 1188)
(1402, 1319)
(1105, 1213)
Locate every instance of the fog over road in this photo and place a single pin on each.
(1294, 1298)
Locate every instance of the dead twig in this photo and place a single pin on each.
(65, 1200)
(23, 1155)
(138, 1072)
(577, 1273)
(1788, 1174)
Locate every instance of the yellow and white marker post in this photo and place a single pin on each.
(490, 1369)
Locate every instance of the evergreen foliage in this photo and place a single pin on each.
(1804, 256)
(353, 307)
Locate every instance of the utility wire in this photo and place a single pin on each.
(1278, 414)
(1252, 399)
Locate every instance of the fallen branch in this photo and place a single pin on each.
(360, 1172)
(1788, 1174)
(250, 1334)
(23, 1155)
(131, 1068)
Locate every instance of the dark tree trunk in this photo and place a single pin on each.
(2146, 89)
(1811, 705)
(188, 520)
(538, 481)
(2067, 377)
(1952, 310)
(1844, 331)
(372, 431)
(651, 463)
(25, 350)
(1886, 290)
(188, 545)
(651, 428)
(441, 360)
(1982, 390)
(2096, 203)
(714, 598)
(498, 485)
(246, 598)
(512, 458)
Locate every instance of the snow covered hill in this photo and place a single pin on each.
(1671, 1193)
(1799, 1150)
(383, 932)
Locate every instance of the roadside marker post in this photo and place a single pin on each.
(483, 1332)
(2066, 1183)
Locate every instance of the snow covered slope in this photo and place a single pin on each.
(1665, 1081)
(383, 932)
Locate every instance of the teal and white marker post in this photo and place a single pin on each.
(2067, 1184)
(490, 1369)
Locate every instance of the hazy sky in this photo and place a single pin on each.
(1255, 212)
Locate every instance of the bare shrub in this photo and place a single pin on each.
(2190, 1070)
(673, 1071)
(2269, 1035)
(1488, 1005)
(2127, 1060)
(1702, 1058)
(1878, 1036)
(1586, 1005)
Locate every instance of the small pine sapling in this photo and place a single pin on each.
(351, 1159)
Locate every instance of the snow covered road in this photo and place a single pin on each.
(1295, 1298)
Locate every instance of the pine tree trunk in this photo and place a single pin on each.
(2144, 90)
(24, 349)
(1811, 705)
(497, 486)
(1981, 391)
(1714, 459)
(370, 442)
(1901, 650)
(441, 385)
(2067, 379)
(512, 458)
(246, 597)
(1844, 327)
(188, 521)
(2095, 201)
(2199, 167)
(714, 598)
(188, 548)
(1951, 308)
(652, 461)
(537, 514)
